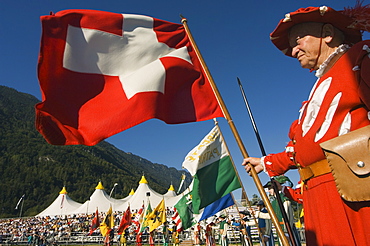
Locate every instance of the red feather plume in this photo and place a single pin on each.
(360, 15)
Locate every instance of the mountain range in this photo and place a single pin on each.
(30, 166)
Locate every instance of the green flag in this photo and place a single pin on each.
(212, 169)
(184, 208)
(144, 224)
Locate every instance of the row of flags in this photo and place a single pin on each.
(214, 178)
(150, 218)
(155, 218)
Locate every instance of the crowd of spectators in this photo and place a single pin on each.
(52, 230)
(40, 231)
(43, 230)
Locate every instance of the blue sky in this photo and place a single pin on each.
(233, 37)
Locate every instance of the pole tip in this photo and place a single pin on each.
(183, 19)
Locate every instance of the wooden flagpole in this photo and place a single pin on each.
(255, 221)
(240, 181)
(237, 137)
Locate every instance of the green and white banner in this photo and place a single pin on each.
(213, 172)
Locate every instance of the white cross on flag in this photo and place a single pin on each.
(101, 73)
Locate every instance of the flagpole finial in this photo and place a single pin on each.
(183, 19)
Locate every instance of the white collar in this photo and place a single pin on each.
(342, 48)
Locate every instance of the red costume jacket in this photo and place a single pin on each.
(339, 102)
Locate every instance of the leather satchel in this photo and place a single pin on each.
(349, 159)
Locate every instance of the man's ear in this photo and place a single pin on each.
(328, 33)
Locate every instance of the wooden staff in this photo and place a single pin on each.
(254, 218)
(241, 183)
(237, 137)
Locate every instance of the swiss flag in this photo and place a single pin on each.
(101, 73)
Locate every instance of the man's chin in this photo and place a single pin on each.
(305, 65)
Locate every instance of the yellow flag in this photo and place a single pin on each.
(299, 224)
(157, 217)
(107, 223)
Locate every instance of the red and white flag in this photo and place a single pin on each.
(138, 219)
(176, 218)
(101, 73)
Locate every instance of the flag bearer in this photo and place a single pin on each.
(328, 42)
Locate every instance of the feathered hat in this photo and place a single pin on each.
(351, 21)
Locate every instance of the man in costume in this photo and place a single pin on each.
(166, 234)
(245, 228)
(223, 228)
(330, 43)
(280, 181)
(209, 234)
(264, 224)
(197, 234)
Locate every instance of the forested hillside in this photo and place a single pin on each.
(30, 166)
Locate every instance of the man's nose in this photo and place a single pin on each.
(295, 51)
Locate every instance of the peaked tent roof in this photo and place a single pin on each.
(171, 192)
(102, 201)
(99, 200)
(62, 205)
(128, 197)
(143, 193)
